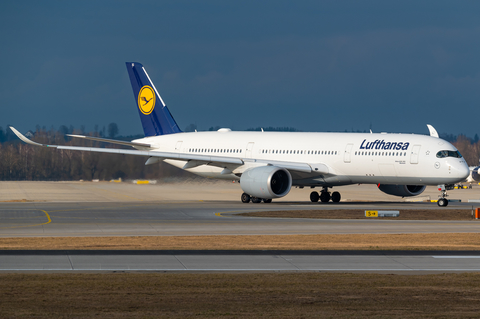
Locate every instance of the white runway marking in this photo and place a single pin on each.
(457, 257)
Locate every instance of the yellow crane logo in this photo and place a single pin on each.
(146, 99)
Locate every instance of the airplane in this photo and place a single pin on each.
(269, 164)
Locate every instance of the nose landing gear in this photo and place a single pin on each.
(442, 200)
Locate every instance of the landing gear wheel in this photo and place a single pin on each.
(325, 197)
(256, 200)
(267, 200)
(336, 197)
(245, 198)
(442, 202)
(314, 197)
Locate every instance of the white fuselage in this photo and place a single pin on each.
(344, 158)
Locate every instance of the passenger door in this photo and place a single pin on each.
(415, 154)
(249, 151)
(348, 153)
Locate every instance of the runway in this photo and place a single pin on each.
(403, 262)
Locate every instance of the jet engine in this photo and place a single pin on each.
(402, 190)
(266, 182)
(474, 175)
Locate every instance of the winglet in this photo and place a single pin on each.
(433, 131)
(23, 138)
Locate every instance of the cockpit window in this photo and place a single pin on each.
(442, 154)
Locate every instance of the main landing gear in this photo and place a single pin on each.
(442, 201)
(246, 199)
(325, 196)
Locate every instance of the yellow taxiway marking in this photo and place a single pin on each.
(46, 214)
(220, 214)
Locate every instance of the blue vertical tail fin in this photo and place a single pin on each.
(154, 114)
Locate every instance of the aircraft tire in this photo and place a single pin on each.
(256, 200)
(324, 197)
(267, 200)
(314, 197)
(336, 197)
(245, 198)
(442, 202)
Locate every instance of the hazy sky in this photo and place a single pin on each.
(313, 65)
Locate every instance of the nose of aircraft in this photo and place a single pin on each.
(461, 170)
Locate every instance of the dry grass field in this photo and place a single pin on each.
(440, 241)
(261, 295)
(405, 214)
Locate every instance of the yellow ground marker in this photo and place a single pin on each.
(48, 222)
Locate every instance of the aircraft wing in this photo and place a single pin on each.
(295, 166)
(163, 155)
(106, 140)
(146, 150)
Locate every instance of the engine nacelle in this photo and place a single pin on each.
(402, 190)
(474, 175)
(266, 182)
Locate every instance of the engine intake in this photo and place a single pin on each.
(402, 190)
(266, 182)
(475, 174)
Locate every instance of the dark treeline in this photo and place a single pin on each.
(20, 161)
(469, 148)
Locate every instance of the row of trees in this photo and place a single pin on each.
(20, 161)
(470, 149)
